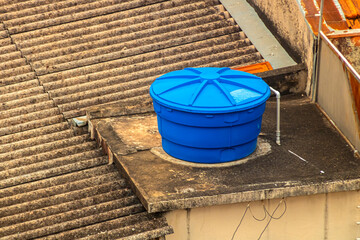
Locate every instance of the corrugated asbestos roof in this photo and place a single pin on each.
(95, 52)
(54, 183)
(59, 57)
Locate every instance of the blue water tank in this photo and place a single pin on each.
(209, 115)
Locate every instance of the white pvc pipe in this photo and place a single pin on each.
(277, 93)
(317, 62)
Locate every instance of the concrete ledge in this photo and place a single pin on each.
(287, 79)
(271, 192)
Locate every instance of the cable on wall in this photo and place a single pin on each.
(266, 213)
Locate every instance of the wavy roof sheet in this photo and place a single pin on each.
(59, 57)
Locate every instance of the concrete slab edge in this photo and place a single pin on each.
(282, 71)
(249, 196)
(286, 80)
(106, 142)
(134, 185)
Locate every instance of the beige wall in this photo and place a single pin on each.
(325, 216)
(290, 24)
(335, 95)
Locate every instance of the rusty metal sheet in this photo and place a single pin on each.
(350, 10)
(332, 17)
(355, 87)
(309, 7)
(314, 23)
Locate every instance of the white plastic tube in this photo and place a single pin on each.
(277, 93)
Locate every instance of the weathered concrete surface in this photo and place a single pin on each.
(312, 159)
(286, 21)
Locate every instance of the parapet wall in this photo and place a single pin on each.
(286, 21)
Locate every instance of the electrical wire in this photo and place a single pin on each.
(257, 219)
(242, 218)
(272, 216)
(285, 209)
(266, 213)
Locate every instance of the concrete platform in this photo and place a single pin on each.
(313, 159)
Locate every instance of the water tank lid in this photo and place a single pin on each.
(209, 90)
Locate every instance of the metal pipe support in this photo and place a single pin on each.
(277, 94)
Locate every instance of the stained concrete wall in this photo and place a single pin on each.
(335, 94)
(330, 216)
(285, 19)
